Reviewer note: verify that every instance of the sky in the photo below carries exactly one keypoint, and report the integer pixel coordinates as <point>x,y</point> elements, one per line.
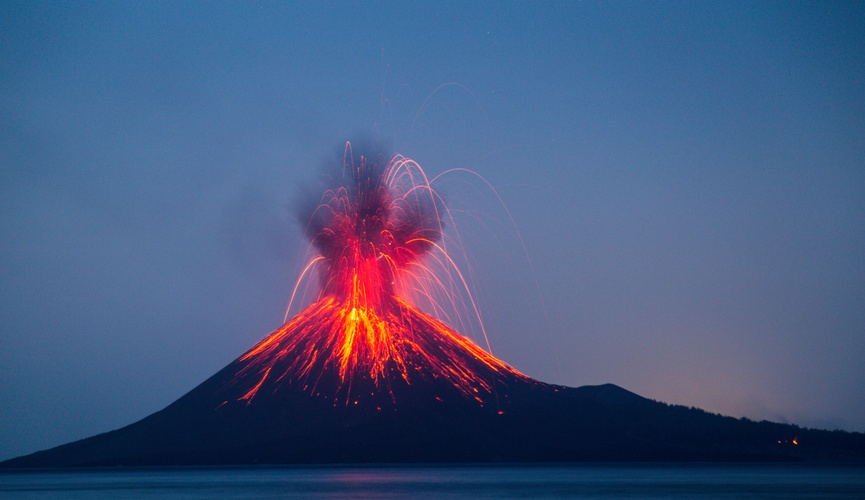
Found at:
<point>683,188</point>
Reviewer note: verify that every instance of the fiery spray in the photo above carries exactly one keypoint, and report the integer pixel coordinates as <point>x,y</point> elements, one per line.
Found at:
<point>379,250</point>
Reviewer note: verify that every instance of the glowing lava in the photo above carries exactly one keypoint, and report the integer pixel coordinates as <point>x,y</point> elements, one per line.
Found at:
<point>378,236</point>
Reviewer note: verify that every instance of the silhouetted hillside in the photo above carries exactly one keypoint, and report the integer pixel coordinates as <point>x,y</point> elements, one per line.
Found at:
<point>535,423</point>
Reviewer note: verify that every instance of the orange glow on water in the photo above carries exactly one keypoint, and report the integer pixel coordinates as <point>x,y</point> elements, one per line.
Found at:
<point>377,243</point>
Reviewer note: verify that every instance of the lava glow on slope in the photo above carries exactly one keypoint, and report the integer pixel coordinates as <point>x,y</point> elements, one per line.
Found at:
<point>379,251</point>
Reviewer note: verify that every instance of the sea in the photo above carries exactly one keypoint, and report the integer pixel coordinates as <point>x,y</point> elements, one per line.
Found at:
<point>560,481</point>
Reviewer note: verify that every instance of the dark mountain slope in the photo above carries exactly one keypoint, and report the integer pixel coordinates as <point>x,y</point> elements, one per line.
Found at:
<point>538,423</point>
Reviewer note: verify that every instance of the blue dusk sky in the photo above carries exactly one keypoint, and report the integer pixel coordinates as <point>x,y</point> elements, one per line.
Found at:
<point>687,178</point>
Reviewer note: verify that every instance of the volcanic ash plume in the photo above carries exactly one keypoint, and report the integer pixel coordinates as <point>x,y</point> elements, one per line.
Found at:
<point>377,239</point>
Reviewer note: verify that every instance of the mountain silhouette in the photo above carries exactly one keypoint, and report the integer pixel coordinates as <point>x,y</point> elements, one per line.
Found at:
<point>303,411</point>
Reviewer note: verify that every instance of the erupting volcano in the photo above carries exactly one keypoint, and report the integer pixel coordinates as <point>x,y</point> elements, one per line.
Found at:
<point>371,371</point>
<point>378,238</point>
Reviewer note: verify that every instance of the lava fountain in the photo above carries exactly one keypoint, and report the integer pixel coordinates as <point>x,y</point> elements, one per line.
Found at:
<point>376,239</point>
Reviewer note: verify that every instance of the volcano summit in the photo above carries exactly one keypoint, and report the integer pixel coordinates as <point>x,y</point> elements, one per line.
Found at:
<point>364,375</point>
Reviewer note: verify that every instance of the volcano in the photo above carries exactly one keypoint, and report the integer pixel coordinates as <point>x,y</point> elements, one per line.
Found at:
<point>364,375</point>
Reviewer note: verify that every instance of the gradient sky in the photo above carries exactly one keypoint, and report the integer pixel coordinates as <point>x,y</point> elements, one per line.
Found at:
<point>688,180</point>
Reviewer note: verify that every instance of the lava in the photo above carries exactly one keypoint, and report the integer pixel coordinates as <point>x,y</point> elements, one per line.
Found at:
<point>377,240</point>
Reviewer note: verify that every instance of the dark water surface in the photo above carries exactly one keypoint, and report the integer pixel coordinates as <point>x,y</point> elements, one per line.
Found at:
<point>580,481</point>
